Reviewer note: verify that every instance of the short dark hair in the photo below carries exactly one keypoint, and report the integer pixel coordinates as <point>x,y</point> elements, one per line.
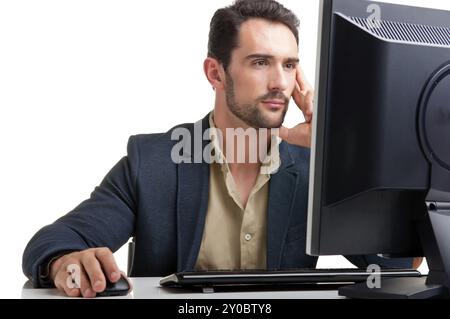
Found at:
<point>225,24</point>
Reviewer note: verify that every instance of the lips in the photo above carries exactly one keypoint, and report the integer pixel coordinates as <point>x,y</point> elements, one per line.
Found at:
<point>274,104</point>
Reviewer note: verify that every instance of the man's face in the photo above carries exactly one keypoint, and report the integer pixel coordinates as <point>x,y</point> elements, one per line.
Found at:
<point>261,76</point>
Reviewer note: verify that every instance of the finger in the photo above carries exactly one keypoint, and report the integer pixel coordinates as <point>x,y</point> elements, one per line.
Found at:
<point>300,77</point>
<point>86,288</point>
<point>308,108</point>
<point>94,272</point>
<point>298,97</point>
<point>61,279</point>
<point>304,102</point>
<point>108,263</point>
<point>298,89</point>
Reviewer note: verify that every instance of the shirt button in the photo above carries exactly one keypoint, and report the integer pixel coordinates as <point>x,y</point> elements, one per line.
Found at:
<point>248,237</point>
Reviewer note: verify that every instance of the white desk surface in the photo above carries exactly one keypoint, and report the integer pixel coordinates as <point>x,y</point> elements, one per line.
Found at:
<point>149,288</point>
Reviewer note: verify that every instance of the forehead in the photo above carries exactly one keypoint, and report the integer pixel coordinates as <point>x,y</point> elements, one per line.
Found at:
<point>263,36</point>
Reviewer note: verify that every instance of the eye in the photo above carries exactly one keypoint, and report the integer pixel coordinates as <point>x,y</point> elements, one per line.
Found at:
<point>261,62</point>
<point>290,65</point>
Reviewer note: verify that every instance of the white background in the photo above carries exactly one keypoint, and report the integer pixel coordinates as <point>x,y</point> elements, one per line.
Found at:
<point>77,78</point>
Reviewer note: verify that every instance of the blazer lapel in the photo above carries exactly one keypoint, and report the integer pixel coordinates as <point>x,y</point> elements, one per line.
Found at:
<point>192,200</point>
<point>282,188</point>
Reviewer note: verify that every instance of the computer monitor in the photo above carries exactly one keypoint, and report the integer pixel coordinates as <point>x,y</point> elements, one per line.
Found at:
<point>380,155</point>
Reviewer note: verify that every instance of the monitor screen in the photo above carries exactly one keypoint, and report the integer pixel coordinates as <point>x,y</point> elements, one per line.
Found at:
<point>380,156</point>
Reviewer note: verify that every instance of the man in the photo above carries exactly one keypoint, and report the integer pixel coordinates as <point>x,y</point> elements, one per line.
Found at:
<point>185,213</point>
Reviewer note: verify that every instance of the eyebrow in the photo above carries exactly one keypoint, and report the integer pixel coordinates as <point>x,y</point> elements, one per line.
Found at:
<point>268,56</point>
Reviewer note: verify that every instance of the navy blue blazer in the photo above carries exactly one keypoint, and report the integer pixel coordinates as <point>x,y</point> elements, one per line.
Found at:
<point>163,206</point>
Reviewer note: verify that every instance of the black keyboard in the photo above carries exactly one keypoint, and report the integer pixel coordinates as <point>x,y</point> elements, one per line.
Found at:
<point>278,277</point>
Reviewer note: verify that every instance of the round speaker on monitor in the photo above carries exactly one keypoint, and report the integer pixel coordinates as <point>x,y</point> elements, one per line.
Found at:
<point>434,118</point>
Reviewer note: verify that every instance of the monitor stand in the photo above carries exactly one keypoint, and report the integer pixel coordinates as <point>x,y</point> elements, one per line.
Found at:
<point>434,231</point>
<point>395,288</point>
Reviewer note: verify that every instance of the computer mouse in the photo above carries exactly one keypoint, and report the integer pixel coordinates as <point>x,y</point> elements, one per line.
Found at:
<point>119,288</point>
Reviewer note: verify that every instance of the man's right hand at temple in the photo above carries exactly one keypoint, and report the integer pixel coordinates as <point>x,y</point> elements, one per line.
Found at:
<point>95,265</point>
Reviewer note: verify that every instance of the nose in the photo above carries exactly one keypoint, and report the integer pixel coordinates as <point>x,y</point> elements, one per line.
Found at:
<point>278,79</point>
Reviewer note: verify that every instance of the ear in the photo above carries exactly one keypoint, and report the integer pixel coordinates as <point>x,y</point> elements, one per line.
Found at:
<point>214,73</point>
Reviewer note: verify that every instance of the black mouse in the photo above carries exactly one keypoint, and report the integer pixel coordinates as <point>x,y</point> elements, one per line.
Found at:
<point>119,288</point>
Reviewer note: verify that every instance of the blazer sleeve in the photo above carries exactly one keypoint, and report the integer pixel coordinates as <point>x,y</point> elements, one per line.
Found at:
<point>106,219</point>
